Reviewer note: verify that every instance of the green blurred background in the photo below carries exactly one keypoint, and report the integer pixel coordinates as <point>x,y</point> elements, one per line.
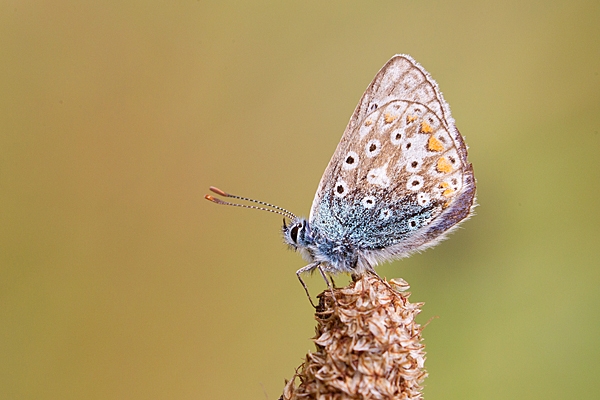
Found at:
<point>118,281</point>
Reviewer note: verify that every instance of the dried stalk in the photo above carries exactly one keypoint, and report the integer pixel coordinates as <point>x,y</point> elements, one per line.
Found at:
<point>368,345</point>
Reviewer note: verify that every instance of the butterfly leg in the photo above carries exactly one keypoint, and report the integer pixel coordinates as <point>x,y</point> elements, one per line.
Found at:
<point>328,283</point>
<point>302,270</point>
<point>332,281</point>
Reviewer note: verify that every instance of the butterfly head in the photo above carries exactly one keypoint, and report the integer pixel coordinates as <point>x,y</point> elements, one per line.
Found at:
<point>297,234</point>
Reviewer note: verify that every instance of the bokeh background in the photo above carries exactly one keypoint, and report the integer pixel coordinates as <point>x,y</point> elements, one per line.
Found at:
<point>119,281</point>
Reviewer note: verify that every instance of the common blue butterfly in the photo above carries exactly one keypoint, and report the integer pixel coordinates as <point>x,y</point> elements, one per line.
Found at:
<point>398,182</point>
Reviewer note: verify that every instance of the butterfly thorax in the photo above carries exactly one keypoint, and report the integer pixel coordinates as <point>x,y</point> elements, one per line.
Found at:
<point>334,253</point>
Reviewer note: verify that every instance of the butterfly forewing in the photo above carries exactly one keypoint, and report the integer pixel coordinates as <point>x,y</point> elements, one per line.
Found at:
<point>399,165</point>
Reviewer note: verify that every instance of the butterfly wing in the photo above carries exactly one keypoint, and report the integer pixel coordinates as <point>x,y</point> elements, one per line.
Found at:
<point>399,178</point>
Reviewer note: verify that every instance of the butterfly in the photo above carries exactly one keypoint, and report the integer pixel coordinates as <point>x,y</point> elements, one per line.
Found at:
<point>398,182</point>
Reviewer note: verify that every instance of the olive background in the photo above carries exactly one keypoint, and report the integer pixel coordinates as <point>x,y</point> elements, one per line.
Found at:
<point>118,280</point>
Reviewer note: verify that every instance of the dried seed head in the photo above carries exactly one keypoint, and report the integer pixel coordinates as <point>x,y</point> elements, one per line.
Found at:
<point>368,345</point>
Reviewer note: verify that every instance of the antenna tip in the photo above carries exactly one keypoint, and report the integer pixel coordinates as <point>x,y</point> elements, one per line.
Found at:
<point>214,200</point>
<point>218,191</point>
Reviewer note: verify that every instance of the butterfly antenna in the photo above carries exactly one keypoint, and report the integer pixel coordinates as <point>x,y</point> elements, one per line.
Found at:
<point>274,209</point>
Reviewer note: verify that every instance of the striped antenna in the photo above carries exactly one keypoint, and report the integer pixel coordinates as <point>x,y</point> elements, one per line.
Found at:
<point>274,209</point>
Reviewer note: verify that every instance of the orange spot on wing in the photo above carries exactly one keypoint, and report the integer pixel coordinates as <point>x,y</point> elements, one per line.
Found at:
<point>444,165</point>
<point>388,118</point>
<point>410,118</point>
<point>434,144</point>
<point>447,192</point>
<point>368,122</point>
<point>426,128</point>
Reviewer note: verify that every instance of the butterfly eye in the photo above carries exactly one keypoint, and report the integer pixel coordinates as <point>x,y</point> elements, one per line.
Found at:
<point>294,233</point>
